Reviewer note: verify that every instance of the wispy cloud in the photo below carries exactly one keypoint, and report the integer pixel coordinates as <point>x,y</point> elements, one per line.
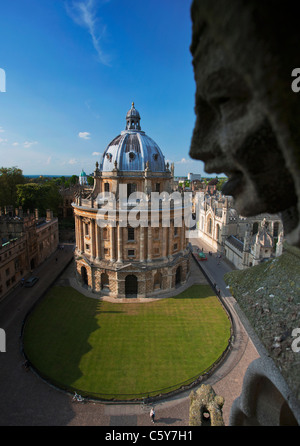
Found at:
<point>72,161</point>
<point>84,14</point>
<point>182,161</point>
<point>96,153</point>
<point>2,130</point>
<point>28,144</point>
<point>84,135</point>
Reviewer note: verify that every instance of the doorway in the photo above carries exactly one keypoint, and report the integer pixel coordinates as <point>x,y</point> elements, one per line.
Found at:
<point>131,286</point>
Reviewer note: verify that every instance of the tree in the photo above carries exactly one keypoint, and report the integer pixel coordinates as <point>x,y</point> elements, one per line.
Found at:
<point>10,177</point>
<point>39,196</point>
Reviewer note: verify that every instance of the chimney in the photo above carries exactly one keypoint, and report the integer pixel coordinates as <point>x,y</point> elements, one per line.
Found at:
<point>49,215</point>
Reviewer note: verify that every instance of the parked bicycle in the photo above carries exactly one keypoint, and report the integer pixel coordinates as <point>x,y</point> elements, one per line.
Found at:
<point>78,398</point>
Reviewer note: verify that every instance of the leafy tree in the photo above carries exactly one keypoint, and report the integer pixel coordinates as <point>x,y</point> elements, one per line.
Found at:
<point>39,196</point>
<point>10,177</point>
<point>90,181</point>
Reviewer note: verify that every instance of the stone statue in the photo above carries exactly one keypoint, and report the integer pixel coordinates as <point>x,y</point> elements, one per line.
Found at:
<point>206,407</point>
<point>247,114</point>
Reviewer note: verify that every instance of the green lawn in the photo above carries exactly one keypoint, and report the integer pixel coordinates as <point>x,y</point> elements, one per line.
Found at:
<point>131,348</point>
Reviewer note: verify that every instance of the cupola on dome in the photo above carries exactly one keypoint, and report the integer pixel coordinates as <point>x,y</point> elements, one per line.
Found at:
<point>133,150</point>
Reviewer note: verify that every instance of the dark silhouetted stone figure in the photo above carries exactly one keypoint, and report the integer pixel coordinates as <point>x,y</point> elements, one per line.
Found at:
<point>248,117</point>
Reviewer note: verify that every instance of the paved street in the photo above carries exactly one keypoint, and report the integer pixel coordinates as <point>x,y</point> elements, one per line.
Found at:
<point>27,400</point>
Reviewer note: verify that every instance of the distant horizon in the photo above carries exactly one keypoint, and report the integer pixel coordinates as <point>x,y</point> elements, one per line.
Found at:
<point>70,175</point>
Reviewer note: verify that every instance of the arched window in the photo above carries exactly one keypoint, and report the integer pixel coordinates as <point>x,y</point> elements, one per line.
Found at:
<point>157,281</point>
<point>255,228</point>
<point>275,229</point>
<point>104,281</point>
<point>218,234</point>
<point>178,275</point>
<point>131,286</point>
<point>84,276</point>
<point>209,226</point>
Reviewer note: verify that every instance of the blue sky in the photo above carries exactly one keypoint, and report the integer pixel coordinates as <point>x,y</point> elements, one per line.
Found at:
<point>72,69</point>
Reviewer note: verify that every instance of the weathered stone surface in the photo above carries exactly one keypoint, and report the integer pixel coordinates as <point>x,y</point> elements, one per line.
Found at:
<point>206,407</point>
<point>269,295</point>
<point>247,113</point>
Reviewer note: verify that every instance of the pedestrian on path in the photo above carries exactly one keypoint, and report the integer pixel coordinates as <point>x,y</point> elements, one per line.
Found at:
<point>152,414</point>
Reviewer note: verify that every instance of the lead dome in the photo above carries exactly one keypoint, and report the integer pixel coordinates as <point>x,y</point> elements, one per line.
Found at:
<point>132,150</point>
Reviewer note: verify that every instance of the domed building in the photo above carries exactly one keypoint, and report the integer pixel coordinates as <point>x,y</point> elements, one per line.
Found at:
<point>83,178</point>
<point>114,256</point>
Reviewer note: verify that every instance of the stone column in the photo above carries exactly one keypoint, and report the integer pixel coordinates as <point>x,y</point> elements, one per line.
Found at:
<point>142,243</point>
<point>120,243</point>
<point>170,239</point>
<point>93,240</point>
<point>98,242</point>
<point>149,254</point>
<point>182,234</point>
<point>165,243</point>
<point>81,235</point>
<point>112,244</point>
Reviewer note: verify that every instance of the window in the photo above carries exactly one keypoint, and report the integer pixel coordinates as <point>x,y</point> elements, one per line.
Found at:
<point>104,281</point>
<point>106,251</point>
<point>175,231</point>
<point>157,187</point>
<point>131,187</point>
<point>106,187</point>
<point>156,251</point>
<point>7,271</point>
<point>131,253</point>
<point>130,234</point>
<point>175,246</point>
<point>276,229</point>
<point>209,226</point>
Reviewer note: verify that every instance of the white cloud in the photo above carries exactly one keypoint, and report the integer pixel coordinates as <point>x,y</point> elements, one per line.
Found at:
<point>2,130</point>
<point>15,143</point>
<point>96,153</point>
<point>72,161</point>
<point>83,13</point>
<point>84,135</point>
<point>182,161</point>
<point>49,160</point>
<point>28,144</point>
<point>2,140</point>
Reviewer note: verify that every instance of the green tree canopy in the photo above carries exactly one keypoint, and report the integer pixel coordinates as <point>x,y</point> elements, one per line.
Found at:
<point>10,177</point>
<point>39,196</point>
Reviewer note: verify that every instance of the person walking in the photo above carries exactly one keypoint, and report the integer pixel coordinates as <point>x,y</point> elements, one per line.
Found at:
<point>152,414</point>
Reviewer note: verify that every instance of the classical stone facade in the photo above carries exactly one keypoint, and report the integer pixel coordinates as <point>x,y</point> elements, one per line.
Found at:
<point>26,240</point>
<point>244,241</point>
<point>114,257</point>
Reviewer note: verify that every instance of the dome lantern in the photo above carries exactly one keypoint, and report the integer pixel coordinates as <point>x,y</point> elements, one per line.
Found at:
<point>133,119</point>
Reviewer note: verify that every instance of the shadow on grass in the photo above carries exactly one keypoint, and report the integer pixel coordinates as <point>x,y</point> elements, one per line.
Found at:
<point>53,342</point>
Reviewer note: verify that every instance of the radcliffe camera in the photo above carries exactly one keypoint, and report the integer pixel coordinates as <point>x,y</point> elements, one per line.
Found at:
<point>149,216</point>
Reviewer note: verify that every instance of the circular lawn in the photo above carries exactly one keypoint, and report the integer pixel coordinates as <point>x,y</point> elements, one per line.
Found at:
<point>125,350</point>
